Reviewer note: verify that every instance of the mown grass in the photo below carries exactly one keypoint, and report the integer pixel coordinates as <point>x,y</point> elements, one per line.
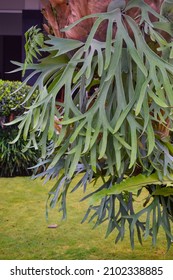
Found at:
<point>24,232</point>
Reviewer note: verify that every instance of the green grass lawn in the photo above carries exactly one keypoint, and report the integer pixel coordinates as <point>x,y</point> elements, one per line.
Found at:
<point>24,232</point>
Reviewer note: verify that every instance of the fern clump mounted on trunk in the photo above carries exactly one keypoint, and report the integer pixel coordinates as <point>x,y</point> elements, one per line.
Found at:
<point>104,109</point>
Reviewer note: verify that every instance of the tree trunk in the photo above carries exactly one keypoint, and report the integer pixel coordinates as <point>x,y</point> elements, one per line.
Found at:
<point>61,13</point>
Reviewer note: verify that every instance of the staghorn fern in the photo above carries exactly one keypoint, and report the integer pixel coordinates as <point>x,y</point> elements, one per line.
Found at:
<point>34,41</point>
<point>116,117</point>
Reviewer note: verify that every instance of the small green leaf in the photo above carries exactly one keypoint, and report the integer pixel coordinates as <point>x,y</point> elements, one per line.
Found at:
<point>51,118</point>
<point>103,143</point>
<point>151,138</point>
<point>27,124</point>
<point>76,158</point>
<point>143,92</point>
<point>157,100</point>
<point>164,191</point>
<point>77,131</point>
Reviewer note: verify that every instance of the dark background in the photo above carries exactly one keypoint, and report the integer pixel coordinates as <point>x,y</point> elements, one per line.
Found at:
<point>15,20</point>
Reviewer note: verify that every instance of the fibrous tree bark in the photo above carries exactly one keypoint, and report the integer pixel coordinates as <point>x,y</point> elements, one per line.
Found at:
<point>61,13</point>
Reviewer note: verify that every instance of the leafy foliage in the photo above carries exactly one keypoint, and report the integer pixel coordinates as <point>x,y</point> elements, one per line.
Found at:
<point>13,160</point>
<point>11,98</point>
<point>34,40</point>
<point>115,117</point>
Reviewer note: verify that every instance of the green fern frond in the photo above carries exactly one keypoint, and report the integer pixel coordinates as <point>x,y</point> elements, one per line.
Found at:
<point>34,41</point>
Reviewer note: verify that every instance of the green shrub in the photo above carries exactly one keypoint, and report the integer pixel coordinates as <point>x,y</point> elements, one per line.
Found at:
<point>9,99</point>
<point>13,161</point>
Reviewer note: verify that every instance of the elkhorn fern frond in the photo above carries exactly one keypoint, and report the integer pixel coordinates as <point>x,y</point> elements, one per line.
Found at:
<point>34,41</point>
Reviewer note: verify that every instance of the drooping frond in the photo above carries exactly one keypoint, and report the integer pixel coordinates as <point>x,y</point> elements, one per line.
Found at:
<point>111,94</point>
